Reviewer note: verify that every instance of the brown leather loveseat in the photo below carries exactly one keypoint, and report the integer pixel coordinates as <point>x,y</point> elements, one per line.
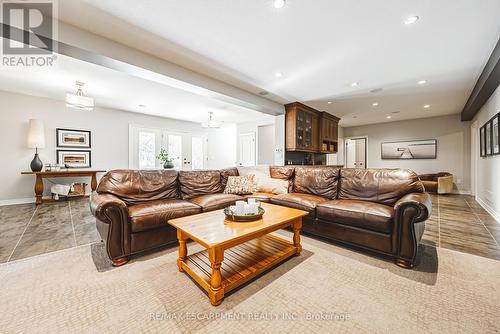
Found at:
<point>383,211</point>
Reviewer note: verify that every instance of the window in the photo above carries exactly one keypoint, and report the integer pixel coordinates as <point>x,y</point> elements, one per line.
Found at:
<point>174,143</point>
<point>197,156</point>
<point>147,149</point>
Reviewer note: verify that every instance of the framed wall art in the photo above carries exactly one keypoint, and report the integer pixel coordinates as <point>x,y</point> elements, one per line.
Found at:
<point>495,144</point>
<point>73,138</point>
<point>488,134</point>
<point>415,149</point>
<point>74,158</point>
<point>482,141</point>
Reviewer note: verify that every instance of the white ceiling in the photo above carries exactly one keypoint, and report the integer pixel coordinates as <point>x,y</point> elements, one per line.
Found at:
<point>321,46</point>
<point>113,89</point>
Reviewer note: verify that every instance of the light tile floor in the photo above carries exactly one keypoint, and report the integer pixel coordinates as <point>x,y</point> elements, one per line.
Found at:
<point>458,222</point>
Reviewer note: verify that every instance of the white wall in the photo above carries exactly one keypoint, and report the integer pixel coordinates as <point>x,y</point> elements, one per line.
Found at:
<point>453,145</point>
<point>110,131</point>
<point>488,168</point>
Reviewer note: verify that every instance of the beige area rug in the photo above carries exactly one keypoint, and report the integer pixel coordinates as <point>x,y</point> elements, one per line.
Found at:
<point>327,289</point>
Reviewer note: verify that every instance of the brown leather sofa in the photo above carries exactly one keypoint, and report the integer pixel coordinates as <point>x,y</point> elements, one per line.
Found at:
<point>383,211</point>
<point>440,183</point>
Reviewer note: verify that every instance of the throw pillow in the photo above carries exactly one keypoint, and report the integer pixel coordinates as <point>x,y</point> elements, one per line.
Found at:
<point>239,185</point>
<point>259,172</point>
<point>274,186</point>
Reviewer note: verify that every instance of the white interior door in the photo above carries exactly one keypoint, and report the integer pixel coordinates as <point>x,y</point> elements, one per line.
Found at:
<point>199,155</point>
<point>355,153</point>
<point>247,149</point>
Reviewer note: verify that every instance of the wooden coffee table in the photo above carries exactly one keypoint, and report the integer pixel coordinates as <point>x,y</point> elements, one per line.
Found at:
<point>235,252</point>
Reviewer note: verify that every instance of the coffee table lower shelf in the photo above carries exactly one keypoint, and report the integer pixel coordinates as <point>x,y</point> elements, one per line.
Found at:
<point>240,263</point>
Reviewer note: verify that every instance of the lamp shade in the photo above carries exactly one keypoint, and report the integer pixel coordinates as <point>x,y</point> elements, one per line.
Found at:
<point>36,134</point>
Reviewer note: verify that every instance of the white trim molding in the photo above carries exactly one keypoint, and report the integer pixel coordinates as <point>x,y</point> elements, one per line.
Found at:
<point>17,201</point>
<point>489,209</point>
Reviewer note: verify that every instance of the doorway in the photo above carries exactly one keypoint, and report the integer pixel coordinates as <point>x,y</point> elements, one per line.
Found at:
<point>356,152</point>
<point>247,149</point>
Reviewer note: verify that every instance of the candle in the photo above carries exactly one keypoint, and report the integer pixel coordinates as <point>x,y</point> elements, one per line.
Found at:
<point>240,208</point>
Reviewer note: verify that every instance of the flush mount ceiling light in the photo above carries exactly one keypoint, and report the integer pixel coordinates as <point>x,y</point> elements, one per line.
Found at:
<point>278,74</point>
<point>355,84</point>
<point>78,100</point>
<point>411,20</point>
<point>279,4</point>
<point>375,104</point>
<point>427,106</point>
<point>212,124</point>
<point>422,82</point>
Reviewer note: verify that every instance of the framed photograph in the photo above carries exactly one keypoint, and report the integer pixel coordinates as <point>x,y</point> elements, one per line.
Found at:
<point>494,129</point>
<point>415,149</point>
<point>482,141</point>
<point>73,138</point>
<point>487,130</point>
<point>74,158</point>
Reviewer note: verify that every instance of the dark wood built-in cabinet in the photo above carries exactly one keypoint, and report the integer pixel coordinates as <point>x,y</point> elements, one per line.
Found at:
<point>309,130</point>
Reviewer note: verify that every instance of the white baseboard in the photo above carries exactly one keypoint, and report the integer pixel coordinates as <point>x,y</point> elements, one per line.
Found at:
<point>462,192</point>
<point>489,209</point>
<point>17,201</point>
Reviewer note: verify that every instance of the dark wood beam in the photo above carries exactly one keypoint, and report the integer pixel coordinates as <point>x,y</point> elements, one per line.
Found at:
<point>485,86</point>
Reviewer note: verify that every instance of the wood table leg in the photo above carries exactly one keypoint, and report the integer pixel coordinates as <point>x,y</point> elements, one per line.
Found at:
<point>297,225</point>
<point>182,249</point>
<point>93,182</point>
<point>38,189</point>
<point>216,293</point>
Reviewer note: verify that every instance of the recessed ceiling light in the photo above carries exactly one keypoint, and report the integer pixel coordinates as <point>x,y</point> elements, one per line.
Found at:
<point>278,74</point>
<point>422,82</point>
<point>376,90</point>
<point>354,116</point>
<point>375,104</point>
<point>263,93</point>
<point>329,102</point>
<point>388,117</point>
<point>395,112</point>
<point>355,84</point>
<point>279,3</point>
<point>141,106</point>
<point>427,106</point>
<point>411,20</point>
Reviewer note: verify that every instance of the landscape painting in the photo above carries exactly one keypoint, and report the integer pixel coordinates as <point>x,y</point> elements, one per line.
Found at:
<point>74,159</point>
<point>73,138</point>
<point>415,149</point>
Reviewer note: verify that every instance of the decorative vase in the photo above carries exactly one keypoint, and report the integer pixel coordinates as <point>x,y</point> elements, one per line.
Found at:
<point>36,164</point>
<point>168,165</point>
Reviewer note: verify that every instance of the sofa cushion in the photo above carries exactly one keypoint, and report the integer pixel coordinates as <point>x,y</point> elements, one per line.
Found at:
<point>215,201</point>
<point>270,185</point>
<point>239,185</point>
<point>384,186</point>
<point>319,181</point>
<point>155,214</point>
<point>306,202</point>
<point>198,183</point>
<point>260,196</point>
<point>137,186</point>
<point>225,173</point>
<point>359,213</point>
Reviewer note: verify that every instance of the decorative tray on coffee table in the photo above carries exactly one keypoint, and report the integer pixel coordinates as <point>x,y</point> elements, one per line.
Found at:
<point>243,218</point>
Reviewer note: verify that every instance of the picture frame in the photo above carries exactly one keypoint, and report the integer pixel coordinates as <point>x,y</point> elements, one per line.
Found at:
<point>74,158</point>
<point>488,136</point>
<point>495,140</point>
<point>73,138</point>
<point>482,141</point>
<point>408,150</point>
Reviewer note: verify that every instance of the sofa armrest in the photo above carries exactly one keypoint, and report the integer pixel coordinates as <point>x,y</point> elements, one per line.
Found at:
<point>419,201</point>
<point>99,203</point>
<point>411,211</point>
<point>445,184</point>
<point>112,224</point>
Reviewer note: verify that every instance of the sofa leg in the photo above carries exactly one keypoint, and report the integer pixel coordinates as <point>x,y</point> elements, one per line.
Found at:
<point>120,261</point>
<point>404,263</point>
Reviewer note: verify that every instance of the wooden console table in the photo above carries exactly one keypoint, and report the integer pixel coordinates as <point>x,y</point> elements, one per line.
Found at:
<point>62,173</point>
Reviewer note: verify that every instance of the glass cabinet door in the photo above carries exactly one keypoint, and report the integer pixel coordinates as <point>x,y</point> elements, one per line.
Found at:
<point>307,130</point>
<point>300,128</point>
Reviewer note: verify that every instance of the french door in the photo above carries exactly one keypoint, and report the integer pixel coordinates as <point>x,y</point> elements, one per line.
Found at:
<point>187,151</point>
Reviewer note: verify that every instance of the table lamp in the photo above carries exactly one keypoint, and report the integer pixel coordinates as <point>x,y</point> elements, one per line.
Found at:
<point>36,140</point>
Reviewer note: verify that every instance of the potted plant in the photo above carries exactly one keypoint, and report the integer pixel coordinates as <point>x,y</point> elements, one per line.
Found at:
<point>165,159</point>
